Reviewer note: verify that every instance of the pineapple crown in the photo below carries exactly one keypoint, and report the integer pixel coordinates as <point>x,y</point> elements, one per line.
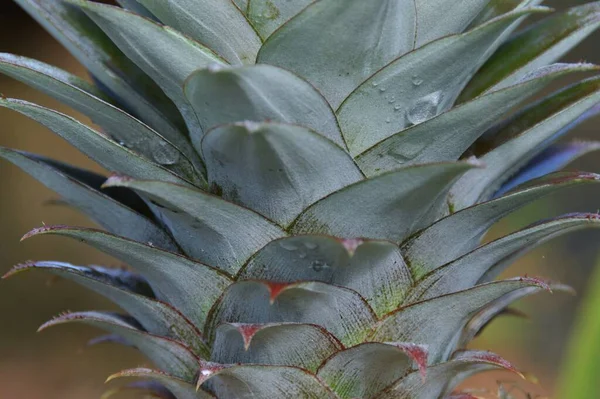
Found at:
<point>301,187</point>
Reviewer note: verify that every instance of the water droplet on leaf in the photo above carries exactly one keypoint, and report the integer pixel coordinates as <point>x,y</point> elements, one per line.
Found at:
<point>318,265</point>
<point>287,245</point>
<point>424,108</point>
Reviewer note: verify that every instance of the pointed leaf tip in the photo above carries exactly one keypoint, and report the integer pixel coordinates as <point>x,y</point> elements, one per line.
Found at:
<point>416,352</point>
<point>247,331</point>
<point>351,244</point>
<point>275,289</point>
<point>488,357</point>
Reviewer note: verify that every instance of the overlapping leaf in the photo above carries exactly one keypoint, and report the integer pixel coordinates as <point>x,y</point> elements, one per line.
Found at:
<point>188,285</point>
<point>522,138</point>
<point>208,228</point>
<point>217,24</point>
<point>166,55</point>
<point>391,206</point>
<point>85,98</point>
<point>156,317</point>
<point>74,30</point>
<point>461,232</point>
<point>419,85</point>
<point>294,165</point>
<point>259,93</point>
<point>104,210</point>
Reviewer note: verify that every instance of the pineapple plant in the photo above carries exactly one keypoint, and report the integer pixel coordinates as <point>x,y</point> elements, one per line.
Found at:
<point>301,188</point>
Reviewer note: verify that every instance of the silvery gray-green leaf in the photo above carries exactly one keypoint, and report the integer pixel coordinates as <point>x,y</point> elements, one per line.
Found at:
<point>391,206</point>
<point>181,389</point>
<point>337,44</point>
<point>419,85</point>
<point>537,46</point>
<point>136,7</point>
<point>461,232</point>
<point>101,208</point>
<point>493,258</point>
<point>447,136</point>
<point>365,370</point>
<point>439,18</point>
<point>340,311</point>
<point>169,355</point>
<point>74,30</point>
<point>374,269</point>
<point>527,135</point>
<point>155,317</point>
<point>483,317</point>
<point>207,228</point>
<point>279,344</point>
<point>190,286</point>
<point>166,55</point>
<point>217,24</point>
<point>86,99</point>
<point>435,322</point>
<point>444,377</point>
<point>274,169</point>
<point>260,381</point>
<point>268,15</point>
<point>495,8</point>
<point>259,93</point>
<point>92,143</point>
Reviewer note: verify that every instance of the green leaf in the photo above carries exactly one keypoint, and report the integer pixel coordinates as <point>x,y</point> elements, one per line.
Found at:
<point>217,24</point>
<point>92,143</point>
<point>86,99</point>
<point>190,286</point>
<point>523,137</point>
<point>374,269</point>
<point>391,206</point>
<point>340,311</point>
<point>259,93</point>
<point>278,344</point>
<point>539,45</point>
<point>260,381</point>
<point>488,261</point>
<point>276,170</point>
<point>461,232</point>
<point>365,370</point>
<point>447,136</point>
<point>337,44</point>
<point>268,15</point>
<point>166,55</point>
<point>579,377</point>
<point>180,388</point>
<point>101,208</point>
<point>419,85</point>
<point>206,227</point>
<point>74,30</point>
<point>436,322</point>
<point>169,355</point>
<point>444,377</point>
<point>155,317</point>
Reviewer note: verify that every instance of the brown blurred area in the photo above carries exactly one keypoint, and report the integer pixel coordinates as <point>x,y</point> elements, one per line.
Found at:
<point>57,364</point>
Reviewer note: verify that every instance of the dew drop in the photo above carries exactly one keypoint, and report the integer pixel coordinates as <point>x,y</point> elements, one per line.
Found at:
<point>417,81</point>
<point>397,108</point>
<point>302,255</point>
<point>375,84</point>
<point>388,120</point>
<point>382,89</point>
<point>310,245</point>
<point>318,265</point>
<point>287,245</point>
<point>165,154</point>
<point>424,108</point>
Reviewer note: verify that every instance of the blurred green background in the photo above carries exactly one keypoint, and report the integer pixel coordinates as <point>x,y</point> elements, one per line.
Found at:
<point>58,364</point>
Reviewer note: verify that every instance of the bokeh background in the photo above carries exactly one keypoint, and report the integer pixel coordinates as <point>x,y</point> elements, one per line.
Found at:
<point>59,365</point>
